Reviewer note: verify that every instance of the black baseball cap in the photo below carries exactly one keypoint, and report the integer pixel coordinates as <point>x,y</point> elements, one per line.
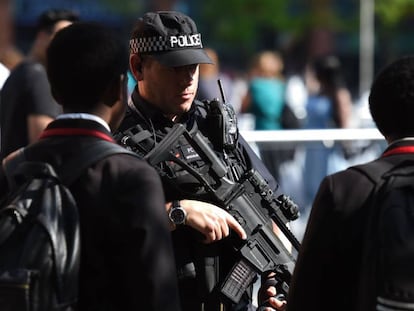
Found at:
<point>170,37</point>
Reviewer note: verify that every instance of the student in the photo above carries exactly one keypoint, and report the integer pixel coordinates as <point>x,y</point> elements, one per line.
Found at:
<point>126,250</point>
<point>329,265</point>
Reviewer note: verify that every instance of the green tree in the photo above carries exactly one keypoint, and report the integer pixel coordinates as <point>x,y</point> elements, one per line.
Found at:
<point>128,8</point>
<point>248,24</point>
<point>390,13</point>
<point>393,33</point>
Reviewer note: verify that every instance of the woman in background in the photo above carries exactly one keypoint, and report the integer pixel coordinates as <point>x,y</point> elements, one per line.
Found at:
<point>265,99</point>
<point>328,106</point>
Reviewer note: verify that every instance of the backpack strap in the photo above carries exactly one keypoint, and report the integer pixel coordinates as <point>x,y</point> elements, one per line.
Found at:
<point>378,172</point>
<point>71,170</point>
<point>96,151</point>
<point>366,293</point>
<point>374,170</point>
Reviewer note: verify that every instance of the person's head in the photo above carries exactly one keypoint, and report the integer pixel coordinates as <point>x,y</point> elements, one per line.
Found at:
<point>165,53</point>
<point>48,24</point>
<point>267,64</point>
<point>391,99</point>
<point>87,65</point>
<point>51,20</point>
<point>324,74</point>
<point>210,70</point>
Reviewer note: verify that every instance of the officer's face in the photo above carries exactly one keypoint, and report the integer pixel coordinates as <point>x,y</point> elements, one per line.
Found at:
<point>172,89</point>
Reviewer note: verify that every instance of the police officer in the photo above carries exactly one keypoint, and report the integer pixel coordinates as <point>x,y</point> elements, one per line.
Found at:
<point>165,53</point>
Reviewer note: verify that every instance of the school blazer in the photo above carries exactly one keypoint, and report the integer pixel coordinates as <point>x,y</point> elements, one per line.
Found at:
<point>328,266</point>
<point>127,260</point>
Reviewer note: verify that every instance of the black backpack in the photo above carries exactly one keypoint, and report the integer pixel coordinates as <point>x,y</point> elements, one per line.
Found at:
<point>387,271</point>
<point>39,233</point>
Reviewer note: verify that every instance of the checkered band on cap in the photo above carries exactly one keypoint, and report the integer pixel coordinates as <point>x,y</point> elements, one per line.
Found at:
<point>163,44</point>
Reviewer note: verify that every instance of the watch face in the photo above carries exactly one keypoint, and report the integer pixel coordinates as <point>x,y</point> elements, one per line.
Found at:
<point>177,216</point>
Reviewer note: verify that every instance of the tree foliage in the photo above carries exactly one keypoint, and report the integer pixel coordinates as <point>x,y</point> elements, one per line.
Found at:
<point>124,7</point>
<point>239,21</point>
<point>391,13</point>
<point>244,22</point>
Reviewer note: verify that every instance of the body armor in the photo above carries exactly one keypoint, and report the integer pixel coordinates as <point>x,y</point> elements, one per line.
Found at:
<point>199,158</point>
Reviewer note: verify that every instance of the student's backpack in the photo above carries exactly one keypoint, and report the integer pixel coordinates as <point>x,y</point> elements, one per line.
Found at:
<point>387,272</point>
<point>39,233</point>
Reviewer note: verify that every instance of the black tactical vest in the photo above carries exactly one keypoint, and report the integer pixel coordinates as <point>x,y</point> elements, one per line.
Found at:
<point>189,171</point>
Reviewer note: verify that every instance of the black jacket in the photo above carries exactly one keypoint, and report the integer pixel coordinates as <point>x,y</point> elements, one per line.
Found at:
<point>328,266</point>
<point>126,250</point>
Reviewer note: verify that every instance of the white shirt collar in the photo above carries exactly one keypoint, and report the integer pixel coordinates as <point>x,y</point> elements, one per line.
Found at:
<point>86,116</point>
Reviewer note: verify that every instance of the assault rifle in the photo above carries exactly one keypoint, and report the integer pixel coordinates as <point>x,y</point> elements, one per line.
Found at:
<point>250,200</point>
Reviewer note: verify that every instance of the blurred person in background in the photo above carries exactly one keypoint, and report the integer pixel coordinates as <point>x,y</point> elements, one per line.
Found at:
<point>27,105</point>
<point>11,57</point>
<point>328,106</point>
<point>209,74</point>
<point>4,74</point>
<point>265,99</point>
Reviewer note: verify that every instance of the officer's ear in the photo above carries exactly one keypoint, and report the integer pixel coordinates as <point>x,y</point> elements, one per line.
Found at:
<point>135,63</point>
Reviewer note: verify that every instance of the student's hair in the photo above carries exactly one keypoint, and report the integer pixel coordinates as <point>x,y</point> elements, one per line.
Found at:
<point>48,19</point>
<point>83,60</point>
<point>391,100</point>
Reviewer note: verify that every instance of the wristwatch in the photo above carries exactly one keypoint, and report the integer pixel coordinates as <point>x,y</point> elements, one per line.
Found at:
<point>177,214</point>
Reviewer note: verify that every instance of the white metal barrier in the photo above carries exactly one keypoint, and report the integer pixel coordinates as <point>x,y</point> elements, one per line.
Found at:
<point>368,143</point>
<point>312,135</point>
